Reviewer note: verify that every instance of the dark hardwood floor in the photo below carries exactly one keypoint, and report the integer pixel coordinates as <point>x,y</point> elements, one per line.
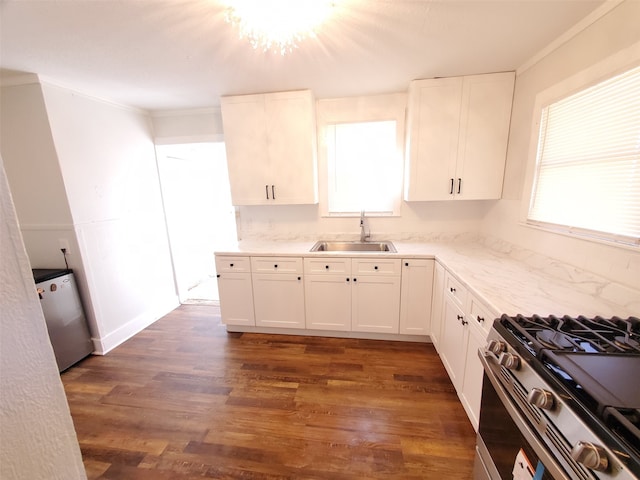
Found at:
<point>184,400</point>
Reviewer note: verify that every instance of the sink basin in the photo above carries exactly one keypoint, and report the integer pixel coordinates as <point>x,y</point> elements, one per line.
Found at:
<point>330,246</point>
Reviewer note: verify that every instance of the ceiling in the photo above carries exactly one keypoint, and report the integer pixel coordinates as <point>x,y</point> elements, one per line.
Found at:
<point>182,54</point>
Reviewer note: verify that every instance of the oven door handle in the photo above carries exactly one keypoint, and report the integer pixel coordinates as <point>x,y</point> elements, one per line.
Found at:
<point>550,463</point>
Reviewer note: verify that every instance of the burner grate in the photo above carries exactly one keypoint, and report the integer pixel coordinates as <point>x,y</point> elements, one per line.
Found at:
<point>579,334</point>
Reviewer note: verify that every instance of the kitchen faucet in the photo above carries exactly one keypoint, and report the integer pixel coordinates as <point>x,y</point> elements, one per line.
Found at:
<point>364,235</point>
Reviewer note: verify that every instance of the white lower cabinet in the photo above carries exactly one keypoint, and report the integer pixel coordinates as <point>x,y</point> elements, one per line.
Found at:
<point>459,354</point>
<point>327,288</point>
<point>453,342</point>
<point>437,305</point>
<point>376,304</point>
<point>473,374</point>
<point>416,296</point>
<point>465,324</point>
<point>278,297</point>
<point>236,292</point>
<point>345,294</point>
<point>463,333</point>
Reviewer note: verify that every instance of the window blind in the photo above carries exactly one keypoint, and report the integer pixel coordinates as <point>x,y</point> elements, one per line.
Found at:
<point>588,162</point>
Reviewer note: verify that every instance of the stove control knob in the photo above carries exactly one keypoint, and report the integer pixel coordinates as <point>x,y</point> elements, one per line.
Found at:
<point>509,360</point>
<point>496,347</point>
<point>590,455</point>
<point>541,398</point>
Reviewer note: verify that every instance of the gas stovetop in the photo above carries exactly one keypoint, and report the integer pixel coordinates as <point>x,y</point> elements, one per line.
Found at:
<point>595,363</point>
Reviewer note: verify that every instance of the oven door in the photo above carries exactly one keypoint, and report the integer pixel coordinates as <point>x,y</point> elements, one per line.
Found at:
<point>503,431</point>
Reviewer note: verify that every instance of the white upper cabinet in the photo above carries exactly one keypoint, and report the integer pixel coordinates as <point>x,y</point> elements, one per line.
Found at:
<point>458,130</point>
<point>270,140</point>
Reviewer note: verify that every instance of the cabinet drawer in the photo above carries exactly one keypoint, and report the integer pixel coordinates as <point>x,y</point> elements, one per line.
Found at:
<point>480,315</point>
<point>276,265</point>
<point>455,290</point>
<point>374,266</point>
<point>327,265</point>
<point>233,264</point>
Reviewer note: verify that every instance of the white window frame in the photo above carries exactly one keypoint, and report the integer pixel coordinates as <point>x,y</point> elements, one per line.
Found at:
<point>614,65</point>
<point>359,110</point>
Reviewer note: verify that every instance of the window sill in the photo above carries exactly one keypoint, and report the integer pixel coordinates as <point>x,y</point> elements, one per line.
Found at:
<point>579,235</point>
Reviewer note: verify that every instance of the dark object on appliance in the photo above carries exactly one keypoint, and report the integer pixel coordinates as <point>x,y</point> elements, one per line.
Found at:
<point>64,316</point>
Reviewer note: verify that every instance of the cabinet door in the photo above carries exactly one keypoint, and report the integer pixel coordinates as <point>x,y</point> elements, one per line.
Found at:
<point>437,308</point>
<point>376,304</point>
<point>473,374</point>
<point>484,132</point>
<point>245,136</point>
<point>291,144</point>
<point>415,296</point>
<point>434,120</point>
<point>278,300</point>
<point>453,343</point>
<point>328,302</point>
<point>236,298</point>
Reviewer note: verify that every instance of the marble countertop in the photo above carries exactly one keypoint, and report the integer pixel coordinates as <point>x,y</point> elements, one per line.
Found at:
<point>503,281</point>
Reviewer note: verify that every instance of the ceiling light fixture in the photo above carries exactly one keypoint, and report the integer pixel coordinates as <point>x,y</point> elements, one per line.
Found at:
<point>277,25</point>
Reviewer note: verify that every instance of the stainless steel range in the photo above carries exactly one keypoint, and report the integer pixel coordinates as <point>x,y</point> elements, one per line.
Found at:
<point>561,399</point>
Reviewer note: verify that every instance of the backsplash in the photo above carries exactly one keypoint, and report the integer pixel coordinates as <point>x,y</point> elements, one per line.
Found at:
<point>419,222</point>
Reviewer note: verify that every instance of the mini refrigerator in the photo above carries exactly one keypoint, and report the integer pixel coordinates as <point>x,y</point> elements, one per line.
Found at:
<point>64,315</point>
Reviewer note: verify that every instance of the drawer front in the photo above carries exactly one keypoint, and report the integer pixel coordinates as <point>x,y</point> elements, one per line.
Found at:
<point>374,266</point>
<point>327,265</point>
<point>276,265</point>
<point>226,264</point>
<point>480,315</point>
<point>455,291</point>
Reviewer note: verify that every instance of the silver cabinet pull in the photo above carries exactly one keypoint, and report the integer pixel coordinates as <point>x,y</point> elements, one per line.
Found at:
<point>459,184</point>
<point>273,192</point>
<point>266,189</point>
<point>451,189</point>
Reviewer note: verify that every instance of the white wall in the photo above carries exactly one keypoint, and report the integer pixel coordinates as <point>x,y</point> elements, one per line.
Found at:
<point>32,167</point>
<point>83,171</point>
<point>37,438</point>
<point>187,126</point>
<point>107,159</point>
<point>613,33</point>
<point>36,180</point>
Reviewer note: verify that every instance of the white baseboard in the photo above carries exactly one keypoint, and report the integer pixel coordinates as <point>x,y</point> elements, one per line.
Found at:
<point>102,346</point>
<point>329,333</point>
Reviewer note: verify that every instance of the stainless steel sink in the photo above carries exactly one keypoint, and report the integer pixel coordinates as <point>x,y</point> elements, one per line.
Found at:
<point>330,246</point>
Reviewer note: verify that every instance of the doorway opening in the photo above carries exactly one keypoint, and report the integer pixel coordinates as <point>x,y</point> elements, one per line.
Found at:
<point>200,217</point>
